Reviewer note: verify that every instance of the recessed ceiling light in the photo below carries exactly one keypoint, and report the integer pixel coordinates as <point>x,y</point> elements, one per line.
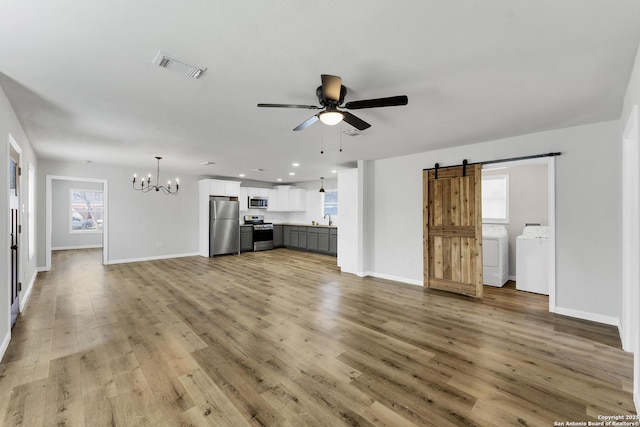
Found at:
<point>207,163</point>
<point>334,171</point>
<point>292,173</point>
<point>295,165</point>
<point>86,161</point>
<point>279,179</point>
<point>241,175</point>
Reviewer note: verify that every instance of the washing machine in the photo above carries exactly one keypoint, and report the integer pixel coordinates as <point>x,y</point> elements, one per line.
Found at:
<point>532,260</point>
<point>495,254</point>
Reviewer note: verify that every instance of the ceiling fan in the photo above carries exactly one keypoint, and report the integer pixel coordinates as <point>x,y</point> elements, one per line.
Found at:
<point>331,96</point>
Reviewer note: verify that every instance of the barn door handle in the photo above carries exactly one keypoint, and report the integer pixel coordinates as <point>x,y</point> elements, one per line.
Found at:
<point>14,247</point>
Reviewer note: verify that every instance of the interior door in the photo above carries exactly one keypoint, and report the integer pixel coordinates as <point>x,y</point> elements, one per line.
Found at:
<point>14,203</point>
<point>452,217</point>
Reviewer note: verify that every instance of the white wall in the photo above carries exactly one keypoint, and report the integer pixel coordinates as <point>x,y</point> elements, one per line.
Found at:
<point>632,293</point>
<point>587,192</point>
<point>9,125</point>
<point>61,237</point>
<point>137,222</point>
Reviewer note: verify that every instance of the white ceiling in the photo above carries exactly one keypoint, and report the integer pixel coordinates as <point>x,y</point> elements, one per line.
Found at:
<point>79,75</point>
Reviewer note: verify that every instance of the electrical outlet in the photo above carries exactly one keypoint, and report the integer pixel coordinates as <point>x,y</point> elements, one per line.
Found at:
<point>160,245</point>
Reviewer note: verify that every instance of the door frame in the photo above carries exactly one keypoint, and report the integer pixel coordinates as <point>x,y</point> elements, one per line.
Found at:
<point>105,216</point>
<point>12,143</point>
<point>551,206</point>
<point>628,326</point>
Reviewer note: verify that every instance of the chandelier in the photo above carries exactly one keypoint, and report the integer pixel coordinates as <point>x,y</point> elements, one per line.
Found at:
<point>145,188</point>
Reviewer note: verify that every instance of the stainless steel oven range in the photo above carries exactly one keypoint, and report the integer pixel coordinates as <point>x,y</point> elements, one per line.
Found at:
<point>262,232</point>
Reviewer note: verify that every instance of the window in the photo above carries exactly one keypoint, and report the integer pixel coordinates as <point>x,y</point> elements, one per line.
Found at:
<point>330,203</point>
<point>86,207</point>
<point>495,198</point>
<point>32,211</point>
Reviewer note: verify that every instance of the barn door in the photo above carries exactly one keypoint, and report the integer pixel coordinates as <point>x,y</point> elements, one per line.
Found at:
<point>452,216</point>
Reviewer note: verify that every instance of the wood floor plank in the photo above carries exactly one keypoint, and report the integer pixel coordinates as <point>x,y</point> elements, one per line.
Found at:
<point>283,338</point>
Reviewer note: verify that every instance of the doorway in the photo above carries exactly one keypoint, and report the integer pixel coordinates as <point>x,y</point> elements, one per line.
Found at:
<point>73,216</point>
<point>530,202</point>
<point>14,227</point>
<point>441,205</point>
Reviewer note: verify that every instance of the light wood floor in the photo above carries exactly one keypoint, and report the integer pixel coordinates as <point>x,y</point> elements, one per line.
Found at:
<point>282,338</point>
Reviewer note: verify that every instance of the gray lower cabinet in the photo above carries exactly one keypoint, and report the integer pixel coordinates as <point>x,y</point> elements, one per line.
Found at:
<point>333,241</point>
<point>322,240</point>
<point>302,238</point>
<point>246,238</point>
<point>278,236</point>
<point>318,239</point>
<point>286,236</point>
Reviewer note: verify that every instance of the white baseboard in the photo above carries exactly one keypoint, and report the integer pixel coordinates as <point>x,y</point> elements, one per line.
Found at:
<point>511,278</point>
<point>392,278</point>
<point>636,401</point>
<point>594,317</point>
<point>151,258</point>
<point>67,248</point>
<point>27,293</point>
<point>5,344</point>
<point>42,269</point>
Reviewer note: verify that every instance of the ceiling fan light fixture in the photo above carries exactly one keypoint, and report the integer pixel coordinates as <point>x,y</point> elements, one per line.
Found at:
<point>331,117</point>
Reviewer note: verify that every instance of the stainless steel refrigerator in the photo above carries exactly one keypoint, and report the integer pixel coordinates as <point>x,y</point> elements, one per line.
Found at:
<point>224,227</point>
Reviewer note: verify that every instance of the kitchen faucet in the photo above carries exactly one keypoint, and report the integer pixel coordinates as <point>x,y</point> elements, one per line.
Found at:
<point>325,217</point>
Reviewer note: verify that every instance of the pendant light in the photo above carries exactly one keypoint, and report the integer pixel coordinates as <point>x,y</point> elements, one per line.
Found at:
<point>321,184</point>
<point>157,187</point>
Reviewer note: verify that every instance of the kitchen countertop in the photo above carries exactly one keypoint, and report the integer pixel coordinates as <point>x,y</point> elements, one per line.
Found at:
<point>297,224</point>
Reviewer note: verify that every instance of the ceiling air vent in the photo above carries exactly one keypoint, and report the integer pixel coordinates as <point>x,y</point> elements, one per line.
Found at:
<point>173,64</point>
<point>352,132</point>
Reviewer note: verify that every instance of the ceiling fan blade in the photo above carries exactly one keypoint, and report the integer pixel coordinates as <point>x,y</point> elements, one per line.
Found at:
<point>331,86</point>
<point>308,107</point>
<point>378,102</point>
<point>311,120</point>
<point>355,121</point>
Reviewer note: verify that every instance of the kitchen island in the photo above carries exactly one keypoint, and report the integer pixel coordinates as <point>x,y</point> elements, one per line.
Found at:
<point>322,239</point>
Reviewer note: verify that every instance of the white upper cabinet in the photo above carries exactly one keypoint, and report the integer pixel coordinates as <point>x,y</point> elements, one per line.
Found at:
<point>297,199</point>
<point>244,199</point>
<point>283,197</point>
<point>219,187</point>
<point>261,192</point>
<point>274,201</point>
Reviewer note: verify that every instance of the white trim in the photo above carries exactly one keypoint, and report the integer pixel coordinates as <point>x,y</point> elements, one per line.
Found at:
<point>630,231</point>
<point>48,220</point>
<point>66,248</point>
<point>395,278</point>
<point>5,344</point>
<point>151,258</point>
<point>593,317</point>
<point>42,269</point>
<point>511,278</point>
<point>27,293</point>
<point>12,143</point>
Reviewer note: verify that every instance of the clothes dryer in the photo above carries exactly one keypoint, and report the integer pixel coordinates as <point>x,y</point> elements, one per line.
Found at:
<point>495,254</point>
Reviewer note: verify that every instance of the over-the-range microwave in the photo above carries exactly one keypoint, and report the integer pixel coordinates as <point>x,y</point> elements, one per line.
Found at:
<point>258,202</point>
